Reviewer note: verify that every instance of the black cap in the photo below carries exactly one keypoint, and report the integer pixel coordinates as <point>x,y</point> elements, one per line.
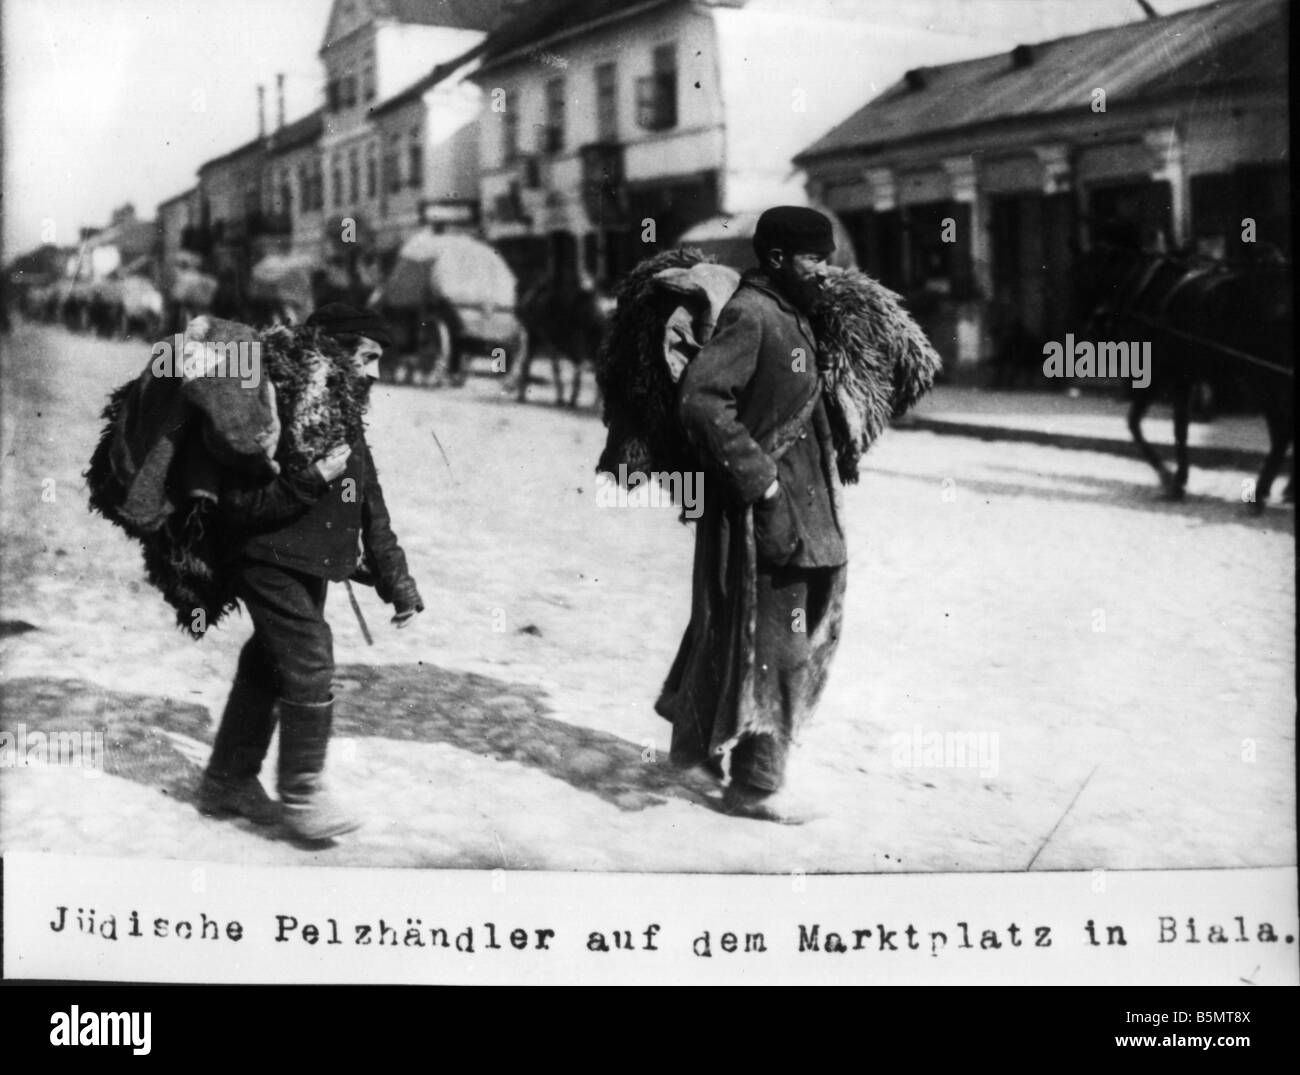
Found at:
<point>794,229</point>
<point>338,319</point>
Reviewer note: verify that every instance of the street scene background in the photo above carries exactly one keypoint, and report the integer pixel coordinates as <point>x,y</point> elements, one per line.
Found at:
<point>1131,659</point>
<point>1045,664</point>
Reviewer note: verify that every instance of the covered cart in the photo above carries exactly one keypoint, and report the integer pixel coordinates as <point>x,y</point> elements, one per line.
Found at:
<point>448,297</point>
<point>280,289</point>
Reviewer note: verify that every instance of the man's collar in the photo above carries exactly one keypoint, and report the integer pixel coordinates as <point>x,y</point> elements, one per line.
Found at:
<point>758,279</point>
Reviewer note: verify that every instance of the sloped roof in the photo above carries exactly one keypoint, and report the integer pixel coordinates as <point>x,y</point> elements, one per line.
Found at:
<point>427,82</point>
<point>1233,42</point>
<point>300,132</point>
<point>255,146</point>
<point>454,14</point>
<point>543,19</point>
<point>182,196</point>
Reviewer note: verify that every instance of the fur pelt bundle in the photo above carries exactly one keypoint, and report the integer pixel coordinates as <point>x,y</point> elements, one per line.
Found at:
<point>320,395</point>
<point>640,398</point>
<point>874,360</point>
<point>189,556</point>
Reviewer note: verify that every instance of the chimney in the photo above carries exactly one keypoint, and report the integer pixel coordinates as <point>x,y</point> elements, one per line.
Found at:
<point>279,101</point>
<point>261,111</point>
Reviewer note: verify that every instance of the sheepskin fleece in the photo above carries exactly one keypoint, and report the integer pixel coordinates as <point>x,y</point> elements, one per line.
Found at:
<point>640,398</point>
<point>874,359</point>
<point>189,556</point>
<point>875,362</point>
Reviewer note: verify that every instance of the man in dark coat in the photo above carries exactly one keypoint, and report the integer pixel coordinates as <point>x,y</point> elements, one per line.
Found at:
<point>770,553</point>
<point>297,533</point>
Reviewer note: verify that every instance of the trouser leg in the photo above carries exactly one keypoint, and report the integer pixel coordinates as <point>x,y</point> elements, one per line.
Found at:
<point>247,722</point>
<point>782,655</point>
<point>288,613</point>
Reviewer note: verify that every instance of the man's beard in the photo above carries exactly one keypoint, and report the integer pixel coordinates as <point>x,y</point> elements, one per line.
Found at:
<point>804,294</point>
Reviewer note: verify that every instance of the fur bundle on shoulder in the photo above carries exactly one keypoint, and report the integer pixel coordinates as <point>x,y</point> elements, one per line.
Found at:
<point>189,555</point>
<point>874,360</point>
<point>640,396</point>
<point>320,395</point>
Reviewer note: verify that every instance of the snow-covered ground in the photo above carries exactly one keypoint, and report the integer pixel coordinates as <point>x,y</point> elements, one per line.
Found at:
<point>1121,669</point>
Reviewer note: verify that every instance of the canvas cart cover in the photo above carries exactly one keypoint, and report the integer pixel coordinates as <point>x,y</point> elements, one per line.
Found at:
<point>139,296</point>
<point>284,279</point>
<point>462,269</point>
<point>194,288</point>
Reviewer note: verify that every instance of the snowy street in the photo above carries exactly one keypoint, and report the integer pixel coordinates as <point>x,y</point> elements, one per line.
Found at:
<point>1118,671</point>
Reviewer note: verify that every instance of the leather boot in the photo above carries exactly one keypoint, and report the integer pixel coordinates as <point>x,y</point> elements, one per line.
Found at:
<point>309,811</point>
<point>779,806</point>
<point>230,785</point>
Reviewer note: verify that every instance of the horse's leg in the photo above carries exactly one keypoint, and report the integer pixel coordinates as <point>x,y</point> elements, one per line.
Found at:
<point>1182,411</point>
<point>1279,439</point>
<point>557,371</point>
<point>1136,410</point>
<point>577,381</point>
<point>525,361</point>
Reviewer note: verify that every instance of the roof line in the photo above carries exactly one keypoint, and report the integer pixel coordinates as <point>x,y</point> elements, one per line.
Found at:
<point>868,148</point>
<point>517,51</point>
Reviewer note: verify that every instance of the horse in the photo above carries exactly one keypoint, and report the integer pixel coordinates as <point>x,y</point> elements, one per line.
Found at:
<point>566,321</point>
<point>1204,319</point>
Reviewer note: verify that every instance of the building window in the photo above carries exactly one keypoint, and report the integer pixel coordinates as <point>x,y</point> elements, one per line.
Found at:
<point>354,175</point>
<point>304,188</point>
<point>510,127</point>
<point>368,82</point>
<point>656,94</point>
<point>252,200</point>
<point>933,266</point>
<point>553,135</point>
<point>336,179</point>
<point>607,102</point>
<point>348,91</point>
<point>372,171</point>
<point>415,160</point>
<point>392,164</point>
<point>332,96</point>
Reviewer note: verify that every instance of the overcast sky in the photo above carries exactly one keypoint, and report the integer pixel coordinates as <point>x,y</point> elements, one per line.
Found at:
<point>110,101</point>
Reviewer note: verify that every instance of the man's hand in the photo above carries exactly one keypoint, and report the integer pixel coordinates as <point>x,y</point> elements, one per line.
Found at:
<point>772,490</point>
<point>406,601</point>
<point>332,465</point>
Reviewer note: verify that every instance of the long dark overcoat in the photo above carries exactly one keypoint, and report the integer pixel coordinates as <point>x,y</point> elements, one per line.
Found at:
<point>750,403</point>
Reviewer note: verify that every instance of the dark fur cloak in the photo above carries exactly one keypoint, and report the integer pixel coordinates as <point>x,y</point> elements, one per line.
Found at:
<point>190,556</point>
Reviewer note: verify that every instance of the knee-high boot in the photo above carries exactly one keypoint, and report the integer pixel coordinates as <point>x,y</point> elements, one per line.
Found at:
<point>309,811</point>
<point>230,784</point>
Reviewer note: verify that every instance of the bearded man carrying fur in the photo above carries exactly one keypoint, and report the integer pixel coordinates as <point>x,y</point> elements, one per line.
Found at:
<point>290,538</point>
<point>770,552</point>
